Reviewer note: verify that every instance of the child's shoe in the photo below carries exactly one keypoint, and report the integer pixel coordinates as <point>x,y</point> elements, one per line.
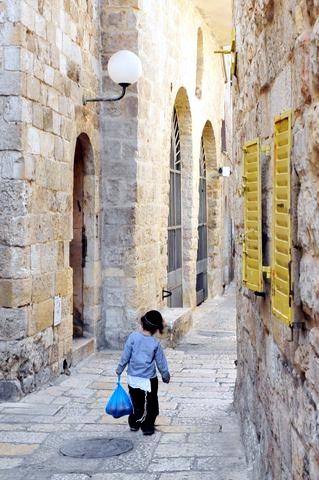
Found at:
<point>148,432</point>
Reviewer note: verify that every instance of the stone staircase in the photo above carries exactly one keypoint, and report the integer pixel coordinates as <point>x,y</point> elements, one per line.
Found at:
<point>82,348</point>
<point>178,321</point>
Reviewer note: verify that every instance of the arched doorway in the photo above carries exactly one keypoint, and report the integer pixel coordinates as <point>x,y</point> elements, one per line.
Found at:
<point>180,248</point>
<point>85,252</point>
<point>78,245</point>
<point>213,195</point>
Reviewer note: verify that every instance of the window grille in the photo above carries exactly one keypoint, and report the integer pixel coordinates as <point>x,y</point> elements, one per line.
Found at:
<point>175,211</point>
<point>174,274</point>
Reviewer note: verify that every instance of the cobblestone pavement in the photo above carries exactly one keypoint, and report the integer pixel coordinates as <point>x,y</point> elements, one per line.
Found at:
<point>197,430</point>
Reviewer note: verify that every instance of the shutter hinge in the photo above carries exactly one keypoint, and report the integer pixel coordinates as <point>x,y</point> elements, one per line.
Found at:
<point>267,270</point>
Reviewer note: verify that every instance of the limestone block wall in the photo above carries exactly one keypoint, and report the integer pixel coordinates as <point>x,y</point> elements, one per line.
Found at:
<point>136,153</point>
<point>48,57</point>
<point>277,390</point>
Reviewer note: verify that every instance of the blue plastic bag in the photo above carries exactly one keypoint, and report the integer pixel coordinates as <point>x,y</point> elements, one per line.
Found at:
<point>119,403</point>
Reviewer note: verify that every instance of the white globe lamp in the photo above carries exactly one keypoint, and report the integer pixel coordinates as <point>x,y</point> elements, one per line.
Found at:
<point>124,67</point>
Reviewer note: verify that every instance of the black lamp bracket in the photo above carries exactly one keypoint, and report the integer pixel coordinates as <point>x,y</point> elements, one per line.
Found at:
<point>105,99</point>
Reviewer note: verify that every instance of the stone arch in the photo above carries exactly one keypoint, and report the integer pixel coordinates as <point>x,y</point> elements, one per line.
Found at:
<point>213,210</point>
<point>86,204</point>
<point>189,247</point>
<point>199,64</point>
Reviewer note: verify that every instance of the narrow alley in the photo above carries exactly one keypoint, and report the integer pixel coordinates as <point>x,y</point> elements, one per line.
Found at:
<point>197,430</point>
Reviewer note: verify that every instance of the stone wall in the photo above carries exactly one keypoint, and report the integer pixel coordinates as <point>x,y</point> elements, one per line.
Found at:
<point>46,54</point>
<point>277,390</point>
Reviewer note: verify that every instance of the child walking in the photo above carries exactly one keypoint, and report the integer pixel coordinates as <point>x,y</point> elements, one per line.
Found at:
<point>143,353</point>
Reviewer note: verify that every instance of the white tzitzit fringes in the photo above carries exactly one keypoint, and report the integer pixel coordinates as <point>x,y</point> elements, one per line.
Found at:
<point>142,419</point>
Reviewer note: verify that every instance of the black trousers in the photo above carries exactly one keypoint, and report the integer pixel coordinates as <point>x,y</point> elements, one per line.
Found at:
<point>145,406</point>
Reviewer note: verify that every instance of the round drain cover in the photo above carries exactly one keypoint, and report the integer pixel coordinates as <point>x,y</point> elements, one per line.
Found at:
<point>96,447</point>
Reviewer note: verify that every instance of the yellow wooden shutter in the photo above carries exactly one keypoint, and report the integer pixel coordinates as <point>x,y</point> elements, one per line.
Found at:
<point>252,244</point>
<point>281,243</point>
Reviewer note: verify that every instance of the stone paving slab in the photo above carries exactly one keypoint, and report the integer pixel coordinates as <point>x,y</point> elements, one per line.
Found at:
<point>27,409</point>
<point>197,430</point>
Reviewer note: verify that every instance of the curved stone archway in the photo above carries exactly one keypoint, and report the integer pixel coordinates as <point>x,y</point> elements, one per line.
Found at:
<point>213,211</point>
<point>189,244</point>
<point>85,246</point>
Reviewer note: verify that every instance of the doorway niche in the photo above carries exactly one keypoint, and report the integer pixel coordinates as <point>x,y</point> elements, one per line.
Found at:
<point>84,252</point>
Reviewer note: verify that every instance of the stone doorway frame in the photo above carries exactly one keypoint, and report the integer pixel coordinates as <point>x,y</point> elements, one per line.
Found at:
<point>184,116</point>
<point>213,211</point>
<point>78,244</point>
<point>91,287</point>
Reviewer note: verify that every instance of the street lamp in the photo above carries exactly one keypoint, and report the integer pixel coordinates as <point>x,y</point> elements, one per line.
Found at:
<point>124,68</point>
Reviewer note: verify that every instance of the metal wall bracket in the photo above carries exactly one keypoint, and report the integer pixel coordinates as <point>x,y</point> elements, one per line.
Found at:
<point>232,52</point>
<point>166,293</point>
<point>260,294</point>
<point>301,326</point>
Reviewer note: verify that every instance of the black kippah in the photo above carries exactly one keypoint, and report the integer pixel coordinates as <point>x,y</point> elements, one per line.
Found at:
<point>150,324</point>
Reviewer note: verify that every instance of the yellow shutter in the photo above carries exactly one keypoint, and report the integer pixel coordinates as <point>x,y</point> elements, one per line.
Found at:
<point>281,242</point>
<point>252,244</point>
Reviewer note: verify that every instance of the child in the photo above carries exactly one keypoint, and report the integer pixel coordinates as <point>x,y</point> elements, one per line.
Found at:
<point>143,353</point>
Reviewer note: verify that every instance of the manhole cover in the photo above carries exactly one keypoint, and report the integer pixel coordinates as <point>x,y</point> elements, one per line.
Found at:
<point>96,447</point>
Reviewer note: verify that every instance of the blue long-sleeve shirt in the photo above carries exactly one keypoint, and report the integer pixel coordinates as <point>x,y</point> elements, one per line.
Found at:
<point>143,353</point>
